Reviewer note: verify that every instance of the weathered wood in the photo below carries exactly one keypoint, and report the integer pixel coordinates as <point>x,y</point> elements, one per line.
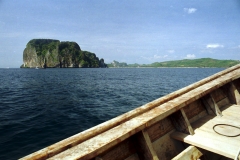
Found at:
<point>119,152</point>
<point>189,153</point>
<point>193,109</point>
<point>210,103</point>
<point>208,125</point>
<point>224,102</point>
<point>133,157</point>
<point>237,91</point>
<point>159,129</point>
<point>232,112</point>
<point>237,84</point>
<point>95,131</point>
<point>166,147</point>
<point>144,147</point>
<point>215,105</point>
<point>207,138</point>
<point>209,143</point>
<point>218,94</point>
<point>190,130</point>
<point>208,108</point>
<point>234,94</point>
<point>181,123</point>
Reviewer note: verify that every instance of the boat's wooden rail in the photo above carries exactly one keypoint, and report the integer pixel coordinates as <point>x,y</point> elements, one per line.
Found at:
<point>137,134</point>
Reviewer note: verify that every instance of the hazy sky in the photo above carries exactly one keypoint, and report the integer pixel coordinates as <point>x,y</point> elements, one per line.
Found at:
<point>132,31</point>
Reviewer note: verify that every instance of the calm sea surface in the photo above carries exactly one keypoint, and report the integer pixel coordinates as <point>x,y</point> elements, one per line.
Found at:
<point>39,107</point>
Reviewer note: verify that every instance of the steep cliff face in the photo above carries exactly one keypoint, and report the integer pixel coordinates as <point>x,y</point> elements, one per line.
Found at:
<point>30,58</point>
<point>69,54</point>
<point>48,53</point>
<point>41,53</point>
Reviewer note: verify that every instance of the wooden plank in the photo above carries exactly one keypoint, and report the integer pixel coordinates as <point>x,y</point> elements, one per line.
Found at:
<point>237,84</point>
<point>190,130</point>
<point>216,107</point>
<point>189,153</point>
<point>209,143</point>
<point>218,94</point>
<point>232,112</point>
<point>144,147</point>
<point>232,92</point>
<point>232,108</point>
<point>208,108</point>
<point>224,102</point>
<point>224,126</point>
<point>159,129</point>
<point>119,152</point>
<point>209,102</point>
<point>199,116</point>
<point>179,122</point>
<point>235,93</point>
<point>193,109</point>
<point>166,147</point>
<point>133,157</point>
<point>225,130</point>
<point>208,122</point>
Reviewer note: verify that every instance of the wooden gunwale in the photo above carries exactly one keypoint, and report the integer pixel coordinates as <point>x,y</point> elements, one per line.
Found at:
<point>163,107</point>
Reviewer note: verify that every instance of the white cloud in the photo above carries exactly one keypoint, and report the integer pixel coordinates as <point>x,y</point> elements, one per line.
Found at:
<point>156,56</point>
<point>171,51</point>
<point>190,10</point>
<point>215,45</point>
<point>190,56</point>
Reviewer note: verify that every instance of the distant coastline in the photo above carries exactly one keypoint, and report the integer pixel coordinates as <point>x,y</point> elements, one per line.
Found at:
<point>185,63</point>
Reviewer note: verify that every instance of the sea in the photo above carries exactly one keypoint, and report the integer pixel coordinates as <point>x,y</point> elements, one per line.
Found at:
<point>39,107</point>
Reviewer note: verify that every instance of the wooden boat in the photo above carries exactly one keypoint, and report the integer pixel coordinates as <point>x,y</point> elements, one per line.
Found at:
<point>200,121</point>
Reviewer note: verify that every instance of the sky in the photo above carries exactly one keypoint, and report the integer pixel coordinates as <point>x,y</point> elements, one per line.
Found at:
<point>131,31</point>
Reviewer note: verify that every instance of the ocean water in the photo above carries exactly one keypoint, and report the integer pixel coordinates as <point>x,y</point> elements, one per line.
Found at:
<point>39,107</point>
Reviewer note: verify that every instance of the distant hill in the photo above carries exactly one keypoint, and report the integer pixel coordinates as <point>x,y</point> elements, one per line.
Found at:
<point>203,62</point>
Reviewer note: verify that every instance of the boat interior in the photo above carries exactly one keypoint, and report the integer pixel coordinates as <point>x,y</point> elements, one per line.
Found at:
<point>200,121</point>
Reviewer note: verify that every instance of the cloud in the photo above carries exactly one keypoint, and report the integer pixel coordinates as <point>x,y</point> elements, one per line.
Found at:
<point>215,45</point>
<point>190,56</point>
<point>154,57</point>
<point>171,51</point>
<point>190,10</point>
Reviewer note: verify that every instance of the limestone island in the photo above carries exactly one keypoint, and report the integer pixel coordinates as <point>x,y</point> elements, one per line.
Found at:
<point>50,53</point>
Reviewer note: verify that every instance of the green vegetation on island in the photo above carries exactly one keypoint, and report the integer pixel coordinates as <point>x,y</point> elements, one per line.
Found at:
<point>49,53</point>
<point>200,63</point>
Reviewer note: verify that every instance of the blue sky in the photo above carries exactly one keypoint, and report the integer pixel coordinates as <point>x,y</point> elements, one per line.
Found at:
<point>132,31</point>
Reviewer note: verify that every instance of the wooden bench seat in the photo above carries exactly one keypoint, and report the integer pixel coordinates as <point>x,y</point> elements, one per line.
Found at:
<point>206,138</point>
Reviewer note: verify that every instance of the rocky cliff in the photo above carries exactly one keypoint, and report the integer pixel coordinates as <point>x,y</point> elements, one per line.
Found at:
<point>49,53</point>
